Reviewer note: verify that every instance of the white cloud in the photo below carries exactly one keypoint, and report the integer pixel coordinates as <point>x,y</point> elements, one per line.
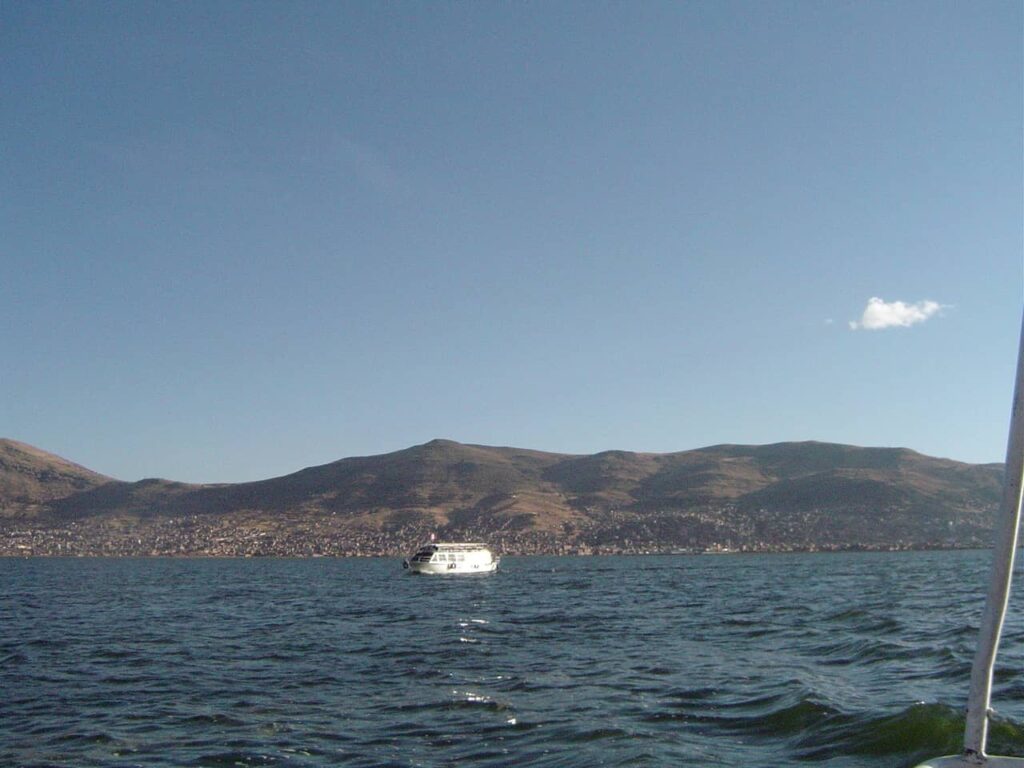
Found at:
<point>879,314</point>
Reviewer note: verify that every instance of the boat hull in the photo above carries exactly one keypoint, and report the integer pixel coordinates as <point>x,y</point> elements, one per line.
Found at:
<point>453,568</point>
<point>960,761</point>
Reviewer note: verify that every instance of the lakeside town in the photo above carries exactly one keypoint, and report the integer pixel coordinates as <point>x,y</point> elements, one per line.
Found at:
<point>212,536</point>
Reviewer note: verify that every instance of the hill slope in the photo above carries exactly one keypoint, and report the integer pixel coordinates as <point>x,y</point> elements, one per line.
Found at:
<point>30,478</point>
<point>787,495</point>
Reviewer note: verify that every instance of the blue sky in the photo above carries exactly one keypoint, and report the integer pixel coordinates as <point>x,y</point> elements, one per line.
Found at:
<point>244,238</point>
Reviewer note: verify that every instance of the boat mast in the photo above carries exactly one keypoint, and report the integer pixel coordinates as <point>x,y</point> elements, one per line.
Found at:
<point>976,730</point>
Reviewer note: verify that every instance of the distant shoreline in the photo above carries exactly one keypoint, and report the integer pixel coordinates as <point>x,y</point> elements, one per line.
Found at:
<point>783,497</point>
<point>392,556</point>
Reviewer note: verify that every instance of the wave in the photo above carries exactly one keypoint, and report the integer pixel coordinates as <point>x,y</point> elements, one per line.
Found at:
<point>711,662</point>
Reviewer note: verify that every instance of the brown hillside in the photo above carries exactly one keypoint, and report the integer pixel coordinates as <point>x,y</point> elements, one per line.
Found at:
<point>771,496</point>
<point>29,478</point>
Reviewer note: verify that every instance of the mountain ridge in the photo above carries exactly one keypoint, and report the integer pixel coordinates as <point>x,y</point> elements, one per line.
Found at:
<point>790,495</point>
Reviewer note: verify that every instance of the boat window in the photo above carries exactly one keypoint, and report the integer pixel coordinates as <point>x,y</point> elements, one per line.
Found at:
<point>460,558</point>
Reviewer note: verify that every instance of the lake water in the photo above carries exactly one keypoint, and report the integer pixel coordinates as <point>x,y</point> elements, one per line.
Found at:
<point>772,660</point>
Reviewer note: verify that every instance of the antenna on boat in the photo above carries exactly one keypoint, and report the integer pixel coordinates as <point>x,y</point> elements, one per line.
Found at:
<point>1003,551</point>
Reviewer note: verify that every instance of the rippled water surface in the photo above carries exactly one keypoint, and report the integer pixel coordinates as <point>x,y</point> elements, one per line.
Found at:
<point>775,660</point>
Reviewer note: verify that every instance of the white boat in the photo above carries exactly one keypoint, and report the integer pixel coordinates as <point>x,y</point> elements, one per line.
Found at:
<point>452,557</point>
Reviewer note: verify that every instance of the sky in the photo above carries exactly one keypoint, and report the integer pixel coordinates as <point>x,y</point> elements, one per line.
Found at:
<point>243,238</point>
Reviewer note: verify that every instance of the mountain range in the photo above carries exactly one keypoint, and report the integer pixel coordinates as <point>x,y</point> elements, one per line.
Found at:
<point>806,495</point>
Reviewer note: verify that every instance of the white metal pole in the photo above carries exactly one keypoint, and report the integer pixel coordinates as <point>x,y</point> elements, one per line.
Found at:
<point>976,731</point>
